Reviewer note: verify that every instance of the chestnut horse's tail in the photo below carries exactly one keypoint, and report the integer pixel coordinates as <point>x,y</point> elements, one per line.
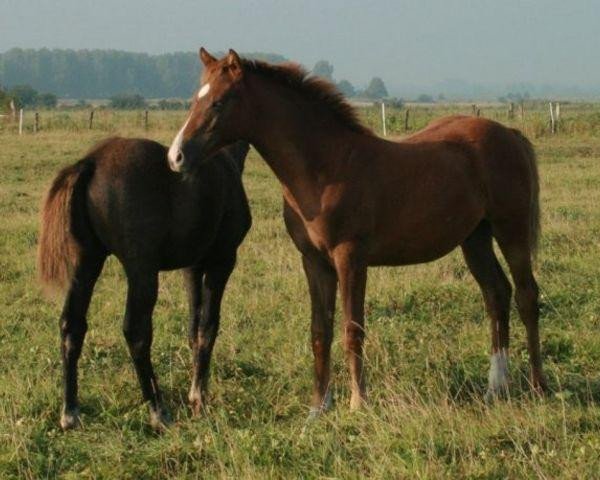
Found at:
<point>63,216</point>
<point>534,219</point>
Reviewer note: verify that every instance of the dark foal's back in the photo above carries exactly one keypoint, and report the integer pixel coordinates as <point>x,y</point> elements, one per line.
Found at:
<point>140,209</point>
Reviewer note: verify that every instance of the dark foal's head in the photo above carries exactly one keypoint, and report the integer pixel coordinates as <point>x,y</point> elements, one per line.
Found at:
<point>215,114</point>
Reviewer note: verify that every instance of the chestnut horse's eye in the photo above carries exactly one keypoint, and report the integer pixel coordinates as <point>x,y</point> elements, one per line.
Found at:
<point>217,104</point>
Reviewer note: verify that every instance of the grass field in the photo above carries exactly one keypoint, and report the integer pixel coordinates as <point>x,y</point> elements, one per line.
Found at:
<point>426,349</point>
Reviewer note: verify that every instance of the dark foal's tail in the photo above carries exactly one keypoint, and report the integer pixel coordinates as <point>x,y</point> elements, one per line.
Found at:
<point>238,151</point>
<point>63,218</point>
<point>534,211</point>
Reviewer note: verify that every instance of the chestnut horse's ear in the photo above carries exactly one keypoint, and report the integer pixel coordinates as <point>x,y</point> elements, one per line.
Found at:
<point>234,60</point>
<point>206,57</point>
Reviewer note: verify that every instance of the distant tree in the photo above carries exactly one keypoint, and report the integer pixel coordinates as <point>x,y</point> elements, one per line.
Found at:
<point>46,100</point>
<point>323,69</point>
<point>171,105</point>
<point>346,88</point>
<point>517,97</point>
<point>3,100</point>
<point>424,98</point>
<point>376,89</point>
<point>23,95</point>
<point>395,102</point>
<point>441,97</point>
<point>127,101</point>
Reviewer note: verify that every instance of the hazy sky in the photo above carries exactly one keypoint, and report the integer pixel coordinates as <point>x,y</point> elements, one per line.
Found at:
<point>416,42</point>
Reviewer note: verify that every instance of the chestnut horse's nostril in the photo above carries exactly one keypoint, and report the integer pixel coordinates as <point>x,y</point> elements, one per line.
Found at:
<point>179,158</point>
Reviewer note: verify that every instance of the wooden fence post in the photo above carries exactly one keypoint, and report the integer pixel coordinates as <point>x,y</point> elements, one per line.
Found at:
<point>382,118</point>
<point>36,122</point>
<point>522,116</point>
<point>478,112</point>
<point>91,119</point>
<point>13,110</point>
<point>21,121</point>
<point>406,115</point>
<point>474,108</point>
<point>511,111</point>
<point>557,110</point>
<point>552,120</point>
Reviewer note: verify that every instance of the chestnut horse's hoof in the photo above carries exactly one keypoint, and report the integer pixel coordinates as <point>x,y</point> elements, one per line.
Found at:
<point>326,404</point>
<point>69,419</point>
<point>491,395</point>
<point>540,388</point>
<point>160,420</point>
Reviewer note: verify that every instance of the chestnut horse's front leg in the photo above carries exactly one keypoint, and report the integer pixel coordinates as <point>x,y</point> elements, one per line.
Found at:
<point>322,283</point>
<point>351,267</point>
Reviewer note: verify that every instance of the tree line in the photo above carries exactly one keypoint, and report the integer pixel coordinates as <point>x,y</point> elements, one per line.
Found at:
<point>124,76</point>
<point>375,90</point>
<point>105,73</point>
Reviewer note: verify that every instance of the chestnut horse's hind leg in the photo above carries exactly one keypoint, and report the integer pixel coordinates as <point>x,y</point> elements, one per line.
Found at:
<point>322,284</point>
<point>205,290</point>
<point>496,290</point>
<point>351,269</point>
<point>517,253</point>
<point>73,326</point>
<point>137,328</point>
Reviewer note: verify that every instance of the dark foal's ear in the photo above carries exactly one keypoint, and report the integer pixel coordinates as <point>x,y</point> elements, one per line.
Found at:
<point>234,61</point>
<point>205,57</point>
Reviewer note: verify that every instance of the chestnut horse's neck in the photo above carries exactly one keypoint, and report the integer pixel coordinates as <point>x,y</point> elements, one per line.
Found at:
<point>301,140</point>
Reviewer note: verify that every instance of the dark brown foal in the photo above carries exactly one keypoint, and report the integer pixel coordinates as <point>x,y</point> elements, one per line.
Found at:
<point>123,199</point>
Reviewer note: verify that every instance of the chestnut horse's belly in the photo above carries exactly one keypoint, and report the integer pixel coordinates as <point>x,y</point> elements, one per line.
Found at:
<point>425,232</point>
<point>410,249</point>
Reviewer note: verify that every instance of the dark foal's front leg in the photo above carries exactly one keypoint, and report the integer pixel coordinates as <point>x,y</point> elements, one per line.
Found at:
<point>137,328</point>
<point>322,284</point>
<point>351,267</point>
<point>73,326</point>
<point>205,292</point>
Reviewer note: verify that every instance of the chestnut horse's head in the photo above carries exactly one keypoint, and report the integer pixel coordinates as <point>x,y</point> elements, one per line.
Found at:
<point>215,112</point>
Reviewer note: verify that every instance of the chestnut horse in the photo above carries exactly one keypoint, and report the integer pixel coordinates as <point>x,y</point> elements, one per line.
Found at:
<point>122,199</point>
<point>352,200</point>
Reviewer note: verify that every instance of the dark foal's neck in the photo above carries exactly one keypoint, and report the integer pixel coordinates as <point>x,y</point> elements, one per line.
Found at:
<point>302,142</point>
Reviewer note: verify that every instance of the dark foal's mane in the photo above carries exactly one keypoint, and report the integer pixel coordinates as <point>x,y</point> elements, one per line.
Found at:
<point>315,89</point>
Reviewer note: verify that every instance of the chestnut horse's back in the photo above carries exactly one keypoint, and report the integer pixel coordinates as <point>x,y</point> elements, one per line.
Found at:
<point>506,162</point>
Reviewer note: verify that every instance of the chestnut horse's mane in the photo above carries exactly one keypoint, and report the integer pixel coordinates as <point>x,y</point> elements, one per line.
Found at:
<point>313,88</point>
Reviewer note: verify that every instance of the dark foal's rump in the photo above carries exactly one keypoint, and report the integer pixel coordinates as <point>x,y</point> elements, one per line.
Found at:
<point>122,199</point>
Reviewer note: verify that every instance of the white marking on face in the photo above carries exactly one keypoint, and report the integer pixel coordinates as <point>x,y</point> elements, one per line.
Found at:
<point>498,376</point>
<point>204,90</point>
<point>175,147</point>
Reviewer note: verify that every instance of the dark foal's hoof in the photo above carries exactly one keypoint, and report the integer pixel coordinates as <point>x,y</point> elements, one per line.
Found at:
<point>160,420</point>
<point>197,401</point>
<point>197,407</point>
<point>69,419</point>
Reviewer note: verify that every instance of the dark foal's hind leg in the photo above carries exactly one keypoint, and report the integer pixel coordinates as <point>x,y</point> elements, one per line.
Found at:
<point>515,246</point>
<point>495,287</point>
<point>205,289</point>
<point>73,326</point>
<point>322,285</point>
<point>137,328</point>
